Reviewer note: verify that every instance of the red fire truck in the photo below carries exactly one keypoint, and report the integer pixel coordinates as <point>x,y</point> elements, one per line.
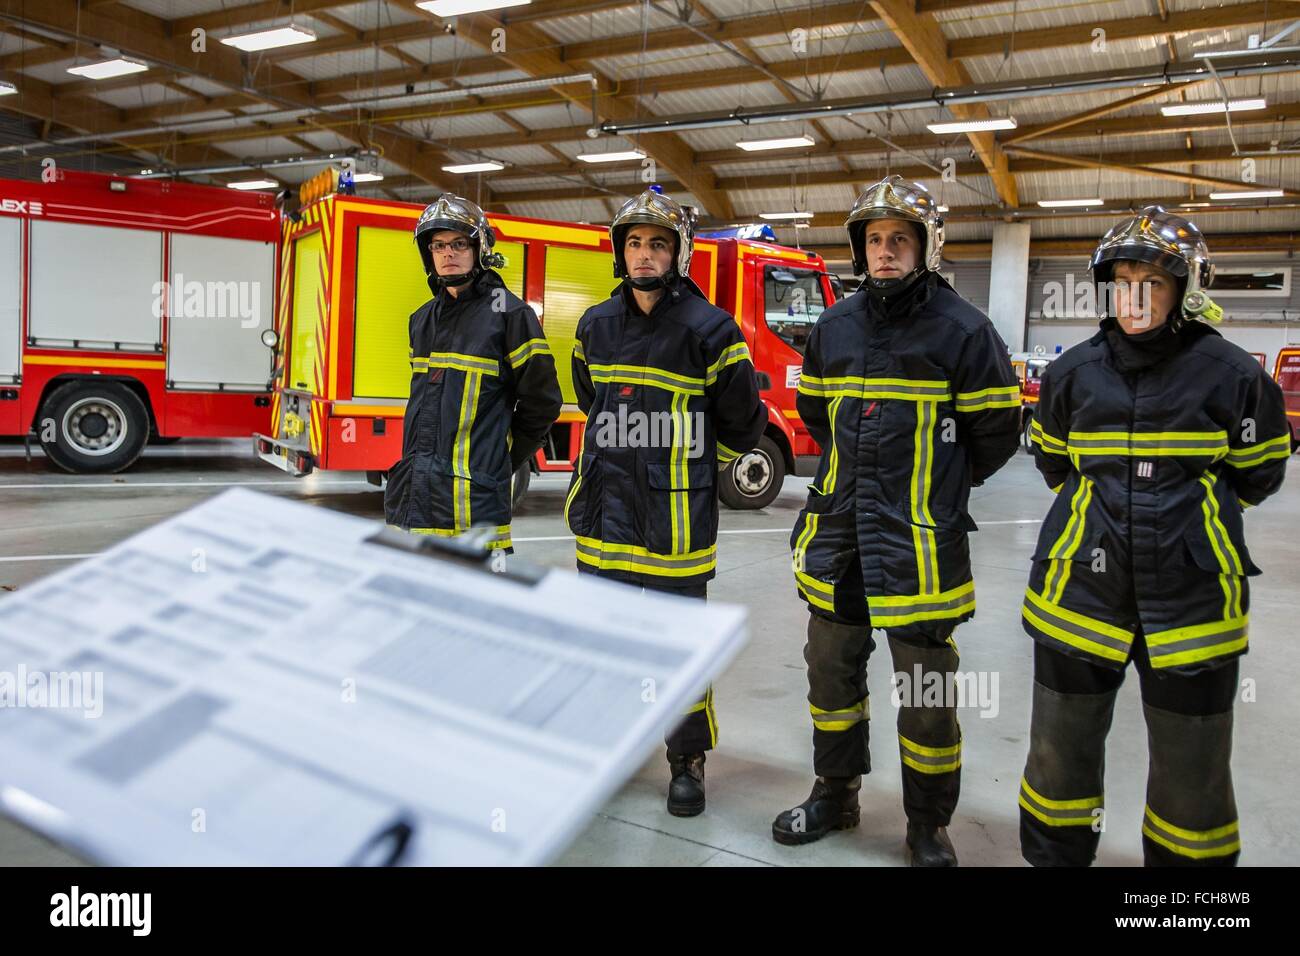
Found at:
<point>352,280</point>
<point>131,308</point>
<point>1286,372</point>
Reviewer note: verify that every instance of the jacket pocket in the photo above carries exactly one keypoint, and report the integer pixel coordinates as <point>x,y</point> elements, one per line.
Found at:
<point>582,503</point>
<point>822,545</point>
<point>682,510</point>
<point>1213,550</point>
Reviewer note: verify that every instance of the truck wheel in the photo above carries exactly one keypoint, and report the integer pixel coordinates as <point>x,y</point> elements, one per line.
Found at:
<point>1024,433</point>
<point>519,485</point>
<point>754,479</point>
<point>99,427</point>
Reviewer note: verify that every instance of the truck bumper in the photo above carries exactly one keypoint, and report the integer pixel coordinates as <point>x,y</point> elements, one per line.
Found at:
<point>292,461</point>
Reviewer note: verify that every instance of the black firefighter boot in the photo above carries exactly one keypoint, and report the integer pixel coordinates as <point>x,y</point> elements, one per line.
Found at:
<point>929,845</point>
<point>832,805</point>
<point>686,790</point>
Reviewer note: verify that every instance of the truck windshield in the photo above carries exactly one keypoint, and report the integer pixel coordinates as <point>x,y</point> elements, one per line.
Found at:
<point>793,301</point>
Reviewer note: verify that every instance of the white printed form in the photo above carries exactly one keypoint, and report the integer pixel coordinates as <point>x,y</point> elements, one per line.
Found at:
<point>253,682</point>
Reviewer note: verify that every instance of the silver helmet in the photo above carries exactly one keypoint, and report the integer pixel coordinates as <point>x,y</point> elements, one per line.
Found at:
<point>1166,241</point>
<point>461,215</point>
<point>653,208</point>
<point>895,198</point>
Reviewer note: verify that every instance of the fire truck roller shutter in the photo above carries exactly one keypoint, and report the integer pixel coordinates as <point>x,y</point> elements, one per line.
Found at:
<point>11,292</point>
<point>390,286</point>
<point>576,279</point>
<point>308,301</point>
<point>98,285</point>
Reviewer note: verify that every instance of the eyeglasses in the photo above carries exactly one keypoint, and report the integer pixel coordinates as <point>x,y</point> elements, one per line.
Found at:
<point>456,245</point>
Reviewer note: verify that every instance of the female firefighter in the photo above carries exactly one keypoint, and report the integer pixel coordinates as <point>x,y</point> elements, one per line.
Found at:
<point>910,393</point>
<point>1155,434</point>
<point>483,386</point>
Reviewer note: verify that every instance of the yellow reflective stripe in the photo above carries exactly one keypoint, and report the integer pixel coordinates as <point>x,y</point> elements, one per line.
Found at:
<point>1198,642</point>
<point>1249,457</point>
<point>1149,444</point>
<point>1058,573</point>
<point>738,352</point>
<point>500,535</point>
<point>711,715</point>
<point>899,609</point>
<point>579,353</point>
<point>725,454</point>
<point>678,500</point>
<point>1059,813</point>
<point>607,556</point>
<point>997,397</point>
<point>1195,844</point>
<point>855,386</point>
<point>573,493</point>
<point>1077,630</point>
<point>1229,560</point>
<point>1057,489</point>
<point>818,592</point>
<point>1045,440</point>
<point>833,461</point>
<point>840,720</point>
<point>460,450</point>
<point>929,759</point>
<point>923,539</point>
<point>647,375</point>
<point>526,351</point>
<point>461,362</point>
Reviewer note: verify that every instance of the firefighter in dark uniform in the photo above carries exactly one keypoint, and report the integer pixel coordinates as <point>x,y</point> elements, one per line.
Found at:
<point>658,351</point>
<point>1155,434</point>
<point>910,393</point>
<point>483,387</point>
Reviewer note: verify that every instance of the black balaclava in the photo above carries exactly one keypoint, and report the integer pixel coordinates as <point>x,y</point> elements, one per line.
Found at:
<point>886,291</point>
<point>1141,350</point>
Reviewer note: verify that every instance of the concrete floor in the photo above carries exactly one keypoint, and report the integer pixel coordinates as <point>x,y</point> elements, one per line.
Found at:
<point>763,764</point>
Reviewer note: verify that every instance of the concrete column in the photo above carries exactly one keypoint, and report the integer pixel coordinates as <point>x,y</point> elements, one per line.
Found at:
<point>1009,283</point>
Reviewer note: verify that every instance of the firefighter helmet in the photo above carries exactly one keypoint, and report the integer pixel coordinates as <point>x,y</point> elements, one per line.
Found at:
<point>460,215</point>
<point>895,198</point>
<point>1166,241</point>
<point>653,208</point>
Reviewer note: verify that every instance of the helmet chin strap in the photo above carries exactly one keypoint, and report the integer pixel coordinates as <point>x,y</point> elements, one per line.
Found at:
<point>889,288</point>
<point>647,283</point>
<point>437,282</point>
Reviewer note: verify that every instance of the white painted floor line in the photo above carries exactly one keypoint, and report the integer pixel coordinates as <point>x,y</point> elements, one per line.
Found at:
<point>183,484</point>
<point>51,557</point>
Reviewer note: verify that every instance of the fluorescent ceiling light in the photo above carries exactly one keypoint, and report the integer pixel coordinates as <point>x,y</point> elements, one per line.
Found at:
<point>270,39</point>
<point>943,209</point>
<point>254,184</point>
<point>1067,203</point>
<point>484,167</point>
<point>803,225</point>
<point>612,157</point>
<point>785,215</point>
<point>107,69</point>
<point>973,126</point>
<point>454,8</point>
<point>368,177</point>
<point>6,88</point>
<point>1250,194</point>
<point>1214,106</point>
<point>786,142</point>
<point>1194,205</point>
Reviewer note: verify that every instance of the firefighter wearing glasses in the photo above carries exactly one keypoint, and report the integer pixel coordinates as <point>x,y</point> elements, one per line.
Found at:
<point>657,354</point>
<point>910,393</point>
<point>1155,434</point>
<point>483,387</point>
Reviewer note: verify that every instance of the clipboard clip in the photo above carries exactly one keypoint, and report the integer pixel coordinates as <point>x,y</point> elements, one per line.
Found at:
<point>388,845</point>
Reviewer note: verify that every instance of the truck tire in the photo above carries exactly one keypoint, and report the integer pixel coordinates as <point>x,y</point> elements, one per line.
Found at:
<point>99,427</point>
<point>754,479</point>
<point>519,484</point>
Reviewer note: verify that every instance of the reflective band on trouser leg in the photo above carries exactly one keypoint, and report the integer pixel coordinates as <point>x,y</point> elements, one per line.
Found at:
<point>678,501</point>
<point>1066,630</point>
<point>611,556</point>
<point>929,736</point>
<point>927,559</point>
<point>698,730</point>
<point>460,450</point>
<point>1061,794</point>
<point>1191,812</point>
<point>837,655</point>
